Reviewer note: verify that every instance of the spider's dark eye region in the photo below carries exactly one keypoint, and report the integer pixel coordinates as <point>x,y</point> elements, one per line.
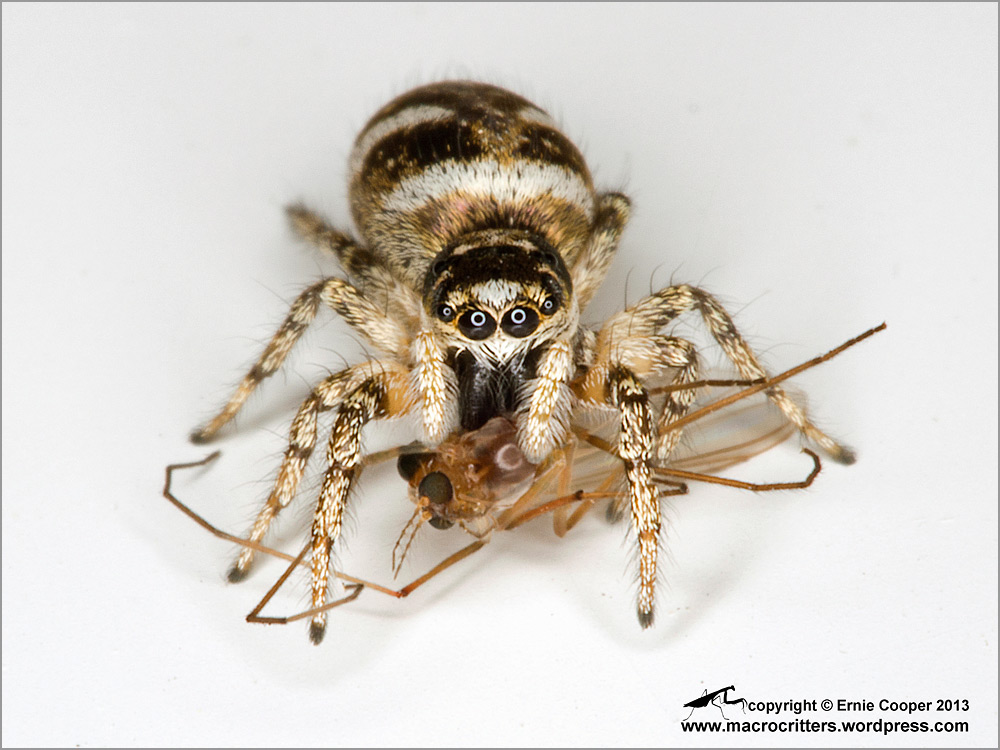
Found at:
<point>520,322</point>
<point>476,325</point>
<point>446,312</point>
<point>549,305</point>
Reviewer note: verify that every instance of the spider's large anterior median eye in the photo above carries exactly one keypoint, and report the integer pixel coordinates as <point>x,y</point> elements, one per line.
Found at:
<point>520,322</point>
<point>476,324</point>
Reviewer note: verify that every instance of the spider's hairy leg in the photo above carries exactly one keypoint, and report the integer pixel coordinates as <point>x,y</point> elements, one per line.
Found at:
<point>378,396</point>
<point>301,441</point>
<point>591,267</point>
<point>613,383</point>
<point>648,315</point>
<point>645,356</point>
<point>314,229</point>
<point>356,259</point>
<point>722,328</point>
<point>635,447</point>
<point>365,317</point>
<point>682,355</point>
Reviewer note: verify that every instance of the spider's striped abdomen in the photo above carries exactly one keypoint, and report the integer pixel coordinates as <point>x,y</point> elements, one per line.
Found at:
<point>456,157</point>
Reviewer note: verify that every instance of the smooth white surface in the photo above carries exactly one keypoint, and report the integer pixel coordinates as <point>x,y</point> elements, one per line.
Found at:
<point>821,168</point>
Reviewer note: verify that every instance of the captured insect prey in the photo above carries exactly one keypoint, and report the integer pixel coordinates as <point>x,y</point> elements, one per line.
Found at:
<point>482,239</point>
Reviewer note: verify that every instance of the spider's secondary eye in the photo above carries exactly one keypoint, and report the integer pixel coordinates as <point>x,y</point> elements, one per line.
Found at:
<point>520,322</point>
<point>550,257</point>
<point>549,305</point>
<point>476,324</point>
<point>446,312</point>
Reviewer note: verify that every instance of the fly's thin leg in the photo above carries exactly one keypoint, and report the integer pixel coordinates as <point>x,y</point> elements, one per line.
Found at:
<point>709,383</point>
<point>322,609</point>
<point>200,520</point>
<point>738,484</point>
<point>452,559</point>
<point>255,616</point>
<point>559,502</point>
<point>371,459</point>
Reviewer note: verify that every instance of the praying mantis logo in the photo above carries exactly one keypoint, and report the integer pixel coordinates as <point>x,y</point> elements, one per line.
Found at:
<point>718,699</point>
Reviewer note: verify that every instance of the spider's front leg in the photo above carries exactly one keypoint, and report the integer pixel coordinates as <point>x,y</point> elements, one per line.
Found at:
<point>618,386</point>
<point>360,394</point>
<point>635,447</point>
<point>380,395</point>
<point>332,393</point>
<point>642,321</point>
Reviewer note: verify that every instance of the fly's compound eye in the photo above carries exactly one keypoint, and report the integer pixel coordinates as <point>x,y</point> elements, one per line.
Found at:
<point>446,313</point>
<point>409,463</point>
<point>520,322</point>
<point>476,325</point>
<point>437,489</point>
<point>549,305</point>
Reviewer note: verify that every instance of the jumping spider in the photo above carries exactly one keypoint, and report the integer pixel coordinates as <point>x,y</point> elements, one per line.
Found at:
<point>483,238</point>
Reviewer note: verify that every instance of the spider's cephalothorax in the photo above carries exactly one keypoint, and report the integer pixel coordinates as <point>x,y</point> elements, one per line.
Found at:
<point>471,197</point>
<point>482,240</point>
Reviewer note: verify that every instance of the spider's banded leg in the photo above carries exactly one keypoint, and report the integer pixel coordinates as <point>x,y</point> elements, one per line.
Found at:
<point>379,395</point>
<point>301,442</point>
<point>310,226</point>
<point>591,267</point>
<point>651,313</point>
<point>645,355</point>
<point>642,356</point>
<point>680,354</point>
<point>366,318</point>
<point>635,447</point>
<point>544,418</point>
<point>357,260</point>
<point>722,328</point>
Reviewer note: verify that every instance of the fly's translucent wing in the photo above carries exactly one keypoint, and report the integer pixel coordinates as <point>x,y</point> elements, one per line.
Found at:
<point>734,434</point>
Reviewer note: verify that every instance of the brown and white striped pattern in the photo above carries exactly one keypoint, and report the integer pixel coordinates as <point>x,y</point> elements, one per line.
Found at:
<point>455,157</point>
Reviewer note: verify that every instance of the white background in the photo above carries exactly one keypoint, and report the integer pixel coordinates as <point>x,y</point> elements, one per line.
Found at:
<point>820,168</point>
